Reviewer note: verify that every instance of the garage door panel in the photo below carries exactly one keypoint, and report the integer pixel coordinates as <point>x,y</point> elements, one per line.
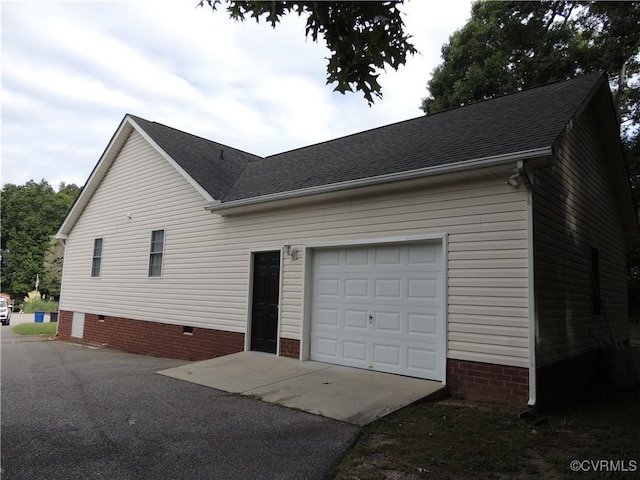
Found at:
<point>355,351</point>
<point>356,257</point>
<point>328,287</point>
<point>326,347</point>
<point>386,355</point>
<point>326,258</point>
<point>423,255</point>
<point>411,285</point>
<point>388,256</point>
<point>424,324</point>
<point>356,287</point>
<point>380,308</point>
<point>381,288</point>
<point>423,289</point>
<point>328,317</point>
<point>356,319</point>
<point>388,322</point>
<point>387,288</point>
<point>422,363</point>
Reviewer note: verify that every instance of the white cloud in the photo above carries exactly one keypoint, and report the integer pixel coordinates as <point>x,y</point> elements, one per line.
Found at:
<point>71,70</point>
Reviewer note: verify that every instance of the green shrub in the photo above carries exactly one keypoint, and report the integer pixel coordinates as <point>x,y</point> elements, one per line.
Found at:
<point>34,302</point>
<point>40,305</point>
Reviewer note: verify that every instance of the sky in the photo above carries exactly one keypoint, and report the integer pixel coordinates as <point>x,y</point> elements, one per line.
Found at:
<point>71,70</point>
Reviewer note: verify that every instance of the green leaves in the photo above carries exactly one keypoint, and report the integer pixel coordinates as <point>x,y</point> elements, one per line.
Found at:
<point>509,46</point>
<point>31,214</point>
<point>51,277</point>
<point>363,37</point>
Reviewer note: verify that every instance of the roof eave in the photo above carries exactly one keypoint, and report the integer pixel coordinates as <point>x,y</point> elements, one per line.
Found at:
<point>248,204</point>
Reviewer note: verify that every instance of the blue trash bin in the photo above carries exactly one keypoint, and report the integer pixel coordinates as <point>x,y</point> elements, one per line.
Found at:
<point>39,317</point>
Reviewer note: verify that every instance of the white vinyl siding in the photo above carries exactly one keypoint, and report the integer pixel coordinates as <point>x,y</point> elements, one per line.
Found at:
<point>574,213</point>
<point>207,263</point>
<point>140,193</point>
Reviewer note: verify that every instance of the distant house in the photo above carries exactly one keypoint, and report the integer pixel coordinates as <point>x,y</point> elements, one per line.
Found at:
<point>481,247</point>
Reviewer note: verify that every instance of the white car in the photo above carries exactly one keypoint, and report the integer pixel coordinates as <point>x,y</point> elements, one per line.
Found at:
<point>5,312</point>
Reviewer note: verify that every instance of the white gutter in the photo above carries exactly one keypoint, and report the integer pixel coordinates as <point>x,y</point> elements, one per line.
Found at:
<point>531,286</point>
<point>496,160</point>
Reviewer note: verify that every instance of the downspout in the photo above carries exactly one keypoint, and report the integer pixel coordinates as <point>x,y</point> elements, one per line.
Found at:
<point>522,172</point>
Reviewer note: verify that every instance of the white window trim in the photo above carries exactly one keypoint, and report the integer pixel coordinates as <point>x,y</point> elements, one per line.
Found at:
<point>93,257</point>
<point>164,243</point>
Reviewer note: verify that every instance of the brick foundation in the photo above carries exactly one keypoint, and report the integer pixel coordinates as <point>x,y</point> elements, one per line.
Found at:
<point>289,348</point>
<point>64,324</point>
<point>487,382</point>
<point>152,338</point>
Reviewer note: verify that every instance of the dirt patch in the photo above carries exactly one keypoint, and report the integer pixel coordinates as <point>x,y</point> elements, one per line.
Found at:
<point>455,439</point>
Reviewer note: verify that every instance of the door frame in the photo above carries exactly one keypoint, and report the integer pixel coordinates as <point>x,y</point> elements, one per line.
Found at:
<point>307,295</point>
<point>249,320</point>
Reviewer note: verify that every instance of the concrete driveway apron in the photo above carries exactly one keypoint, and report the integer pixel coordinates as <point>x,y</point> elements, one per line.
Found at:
<point>350,395</point>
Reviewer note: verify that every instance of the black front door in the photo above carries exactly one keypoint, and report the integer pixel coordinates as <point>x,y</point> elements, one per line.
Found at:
<point>264,309</point>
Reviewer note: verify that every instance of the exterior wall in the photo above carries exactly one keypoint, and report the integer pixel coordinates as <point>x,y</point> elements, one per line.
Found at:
<point>575,211</point>
<point>64,324</point>
<point>289,348</point>
<point>206,275</point>
<point>152,338</point>
<point>486,223</point>
<point>203,285</point>
<point>487,382</point>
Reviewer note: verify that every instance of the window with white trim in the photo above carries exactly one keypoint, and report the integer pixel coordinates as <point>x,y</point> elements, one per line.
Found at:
<point>96,259</point>
<point>156,252</point>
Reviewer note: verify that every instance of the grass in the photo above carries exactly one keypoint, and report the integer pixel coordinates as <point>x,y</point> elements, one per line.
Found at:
<point>48,328</point>
<point>454,439</point>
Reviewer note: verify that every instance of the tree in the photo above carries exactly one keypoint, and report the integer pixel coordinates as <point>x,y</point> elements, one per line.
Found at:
<point>363,37</point>
<point>52,267</point>
<point>509,46</point>
<point>31,214</point>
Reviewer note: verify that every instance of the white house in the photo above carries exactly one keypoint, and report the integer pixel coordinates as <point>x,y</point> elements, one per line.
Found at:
<point>482,247</point>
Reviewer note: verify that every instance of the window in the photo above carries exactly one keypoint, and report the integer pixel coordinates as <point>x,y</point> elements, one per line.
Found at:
<point>595,281</point>
<point>97,257</point>
<point>155,254</point>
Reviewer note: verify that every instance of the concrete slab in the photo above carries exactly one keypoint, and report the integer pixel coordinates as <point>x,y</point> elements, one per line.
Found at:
<point>351,395</point>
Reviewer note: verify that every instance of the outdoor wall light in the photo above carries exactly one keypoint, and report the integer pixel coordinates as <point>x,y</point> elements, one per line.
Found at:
<point>513,180</point>
<point>289,252</point>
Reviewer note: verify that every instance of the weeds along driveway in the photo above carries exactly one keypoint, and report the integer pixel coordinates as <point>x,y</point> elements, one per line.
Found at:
<point>73,412</point>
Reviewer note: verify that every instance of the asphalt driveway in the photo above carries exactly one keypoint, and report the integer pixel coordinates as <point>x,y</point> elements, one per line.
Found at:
<point>74,412</point>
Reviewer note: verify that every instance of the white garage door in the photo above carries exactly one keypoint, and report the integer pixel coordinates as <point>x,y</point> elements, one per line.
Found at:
<point>380,308</point>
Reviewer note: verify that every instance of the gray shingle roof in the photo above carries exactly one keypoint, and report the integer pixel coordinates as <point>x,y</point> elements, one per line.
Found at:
<point>512,123</point>
<point>213,165</point>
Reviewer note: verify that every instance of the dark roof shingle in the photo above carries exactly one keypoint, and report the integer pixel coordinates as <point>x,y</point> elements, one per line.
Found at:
<point>213,165</point>
<point>512,123</point>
